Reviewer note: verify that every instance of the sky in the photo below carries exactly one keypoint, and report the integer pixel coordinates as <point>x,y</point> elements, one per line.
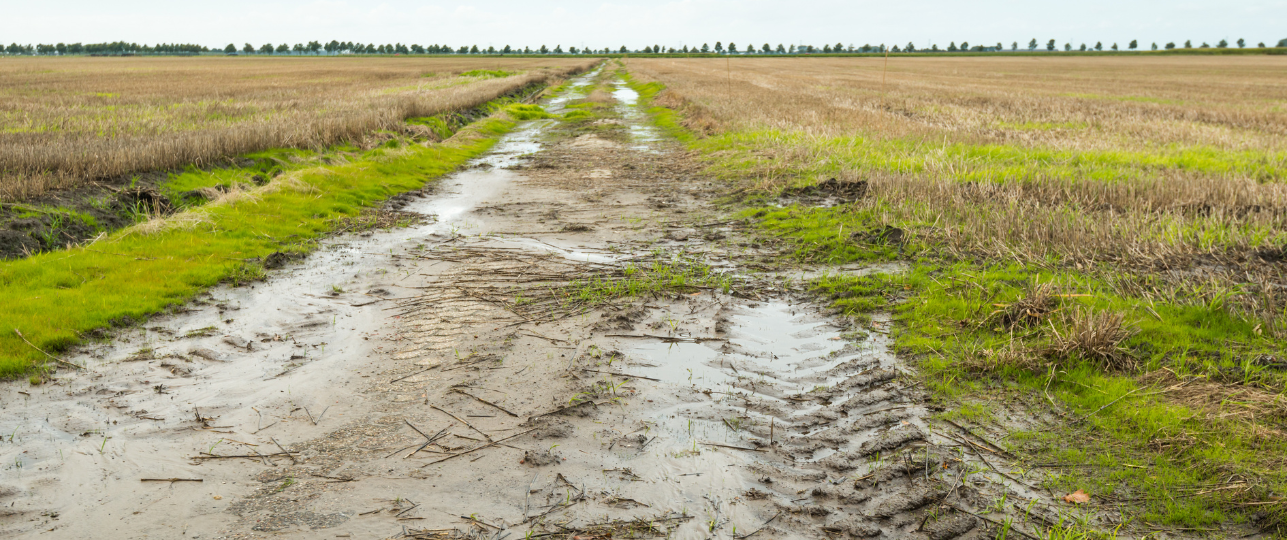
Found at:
<point>635,24</point>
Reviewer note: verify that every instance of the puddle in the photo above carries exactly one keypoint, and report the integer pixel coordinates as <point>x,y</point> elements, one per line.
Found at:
<point>641,130</point>
<point>290,352</point>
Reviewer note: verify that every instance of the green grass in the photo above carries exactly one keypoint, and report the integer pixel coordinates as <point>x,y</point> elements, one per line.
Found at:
<point>978,162</point>
<point>944,309</point>
<point>55,298</point>
<point>488,73</point>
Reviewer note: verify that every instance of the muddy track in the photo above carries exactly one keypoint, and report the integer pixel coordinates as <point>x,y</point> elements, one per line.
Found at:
<point>425,383</point>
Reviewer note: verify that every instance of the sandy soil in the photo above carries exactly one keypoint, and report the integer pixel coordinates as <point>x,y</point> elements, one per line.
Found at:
<point>391,386</point>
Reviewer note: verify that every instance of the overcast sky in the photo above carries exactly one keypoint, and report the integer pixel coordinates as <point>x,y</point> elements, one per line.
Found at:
<point>598,24</point>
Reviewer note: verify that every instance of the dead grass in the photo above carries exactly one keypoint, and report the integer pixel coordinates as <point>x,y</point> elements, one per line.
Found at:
<point>1060,102</point>
<point>1165,174</point>
<point>66,121</point>
<point>1097,337</point>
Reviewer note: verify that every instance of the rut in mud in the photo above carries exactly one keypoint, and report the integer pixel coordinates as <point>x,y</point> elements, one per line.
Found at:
<point>452,379</point>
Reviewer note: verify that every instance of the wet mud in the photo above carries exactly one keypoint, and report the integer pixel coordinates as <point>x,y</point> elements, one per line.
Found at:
<point>392,384</point>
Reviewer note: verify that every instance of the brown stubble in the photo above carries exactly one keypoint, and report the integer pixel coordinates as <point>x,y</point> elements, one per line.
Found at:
<point>1172,235</point>
<point>68,121</point>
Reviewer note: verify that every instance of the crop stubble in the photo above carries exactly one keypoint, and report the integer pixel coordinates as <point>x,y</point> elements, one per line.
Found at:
<point>68,121</point>
<point>1169,166</point>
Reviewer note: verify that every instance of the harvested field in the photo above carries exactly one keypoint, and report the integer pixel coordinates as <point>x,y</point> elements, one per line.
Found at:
<point>68,121</point>
<point>1103,238</point>
<point>620,309</point>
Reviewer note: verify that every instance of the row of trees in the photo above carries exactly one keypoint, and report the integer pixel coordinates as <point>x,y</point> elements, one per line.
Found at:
<point>1133,45</point>
<point>118,47</point>
<point>348,47</point>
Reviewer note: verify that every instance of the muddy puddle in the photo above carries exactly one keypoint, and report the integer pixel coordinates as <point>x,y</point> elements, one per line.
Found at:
<point>283,357</point>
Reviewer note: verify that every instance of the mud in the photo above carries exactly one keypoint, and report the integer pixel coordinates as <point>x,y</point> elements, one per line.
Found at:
<point>344,397</point>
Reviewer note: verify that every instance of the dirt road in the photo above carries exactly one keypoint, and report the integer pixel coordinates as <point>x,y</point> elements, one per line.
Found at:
<point>443,380</point>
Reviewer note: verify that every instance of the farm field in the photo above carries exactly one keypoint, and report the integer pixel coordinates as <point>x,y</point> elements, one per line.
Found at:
<point>70,121</point>
<point>933,298</point>
<point>1100,239</point>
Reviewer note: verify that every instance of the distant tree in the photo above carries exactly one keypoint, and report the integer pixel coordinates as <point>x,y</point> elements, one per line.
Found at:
<point>826,48</point>
<point>75,48</point>
<point>840,46</point>
<point>732,48</point>
<point>528,50</point>
<point>506,50</point>
<point>792,49</point>
<point>248,49</point>
<point>1133,45</point>
<point>230,49</point>
<point>623,50</point>
<point>965,45</point>
<point>1068,46</point>
<point>648,49</point>
<point>558,49</point>
<point>1083,47</point>
<point>705,48</point>
<point>1188,44</point>
<point>60,48</point>
<point>1099,45</point>
<point>684,50</point>
<point>895,49</point>
<point>1281,43</point>
<point>1014,46</point>
<point>1155,45</point>
<point>1050,46</point>
<point>283,48</point>
<point>416,48</point>
<point>473,49</point>
<point>1000,46</point>
<point>1222,44</point>
<point>952,47</point>
<point>491,49</point>
<point>1170,45</point>
<point>1114,46</point>
<point>267,48</point>
<point>1032,45</point>
<point>314,47</point>
<point>933,48</point>
<point>766,49</point>
<point>1242,43</point>
<point>910,47</point>
<point>780,49</point>
<point>1261,44</point>
<point>718,47</point>
<point>1203,45</point>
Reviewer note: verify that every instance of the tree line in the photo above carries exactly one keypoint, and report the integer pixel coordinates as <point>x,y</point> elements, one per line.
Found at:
<point>348,47</point>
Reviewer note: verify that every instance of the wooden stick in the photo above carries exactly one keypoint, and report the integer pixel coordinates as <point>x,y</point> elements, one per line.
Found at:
<point>502,409</point>
<point>463,421</point>
<point>478,448</point>
<point>171,480</point>
<point>52,357</point>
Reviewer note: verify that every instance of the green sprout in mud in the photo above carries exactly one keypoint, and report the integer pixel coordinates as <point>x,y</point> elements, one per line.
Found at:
<point>212,447</point>
<point>337,289</point>
<point>997,506</point>
<point>290,481</point>
<point>103,447</point>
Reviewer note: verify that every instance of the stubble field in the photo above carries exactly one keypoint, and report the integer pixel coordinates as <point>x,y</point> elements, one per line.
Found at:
<point>69,121</point>
<point>1105,237</point>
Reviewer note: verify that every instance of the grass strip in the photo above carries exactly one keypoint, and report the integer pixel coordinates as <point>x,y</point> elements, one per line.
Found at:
<point>56,298</point>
